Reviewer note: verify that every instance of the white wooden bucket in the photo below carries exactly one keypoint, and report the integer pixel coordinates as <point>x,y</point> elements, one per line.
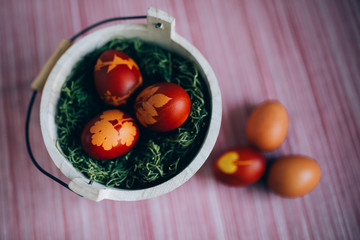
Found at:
<point>160,29</point>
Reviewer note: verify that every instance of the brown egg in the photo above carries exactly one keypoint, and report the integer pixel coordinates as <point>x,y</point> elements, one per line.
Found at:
<point>267,126</point>
<point>293,176</point>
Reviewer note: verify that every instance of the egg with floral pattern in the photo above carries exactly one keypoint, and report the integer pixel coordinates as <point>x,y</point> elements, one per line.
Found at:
<point>162,107</point>
<point>109,135</point>
<point>116,77</point>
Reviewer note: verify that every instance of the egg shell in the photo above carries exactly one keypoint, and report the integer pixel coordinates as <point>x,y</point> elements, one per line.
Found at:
<point>239,166</point>
<point>162,107</point>
<point>116,77</point>
<point>110,134</point>
<point>293,176</point>
<point>267,125</point>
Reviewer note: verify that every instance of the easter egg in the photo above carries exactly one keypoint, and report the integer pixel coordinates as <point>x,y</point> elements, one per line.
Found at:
<point>239,166</point>
<point>109,135</point>
<point>267,125</point>
<point>116,77</point>
<point>293,176</point>
<point>162,107</point>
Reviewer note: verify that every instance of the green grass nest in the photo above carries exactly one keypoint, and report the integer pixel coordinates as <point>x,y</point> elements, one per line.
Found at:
<point>156,157</point>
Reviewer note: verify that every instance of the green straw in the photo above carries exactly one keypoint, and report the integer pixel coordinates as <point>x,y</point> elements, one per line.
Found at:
<point>156,157</point>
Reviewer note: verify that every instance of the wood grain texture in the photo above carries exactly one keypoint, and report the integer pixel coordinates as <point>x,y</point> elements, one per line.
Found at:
<point>305,53</point>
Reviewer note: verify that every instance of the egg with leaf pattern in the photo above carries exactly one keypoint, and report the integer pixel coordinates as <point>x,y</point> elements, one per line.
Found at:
<point>162,107</point>
<point>109,135</point>
<point>116,77</point>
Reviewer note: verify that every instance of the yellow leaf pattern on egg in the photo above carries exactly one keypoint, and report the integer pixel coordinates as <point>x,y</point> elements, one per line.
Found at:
<point>147,112</point>
<point>105,134</point>
<point>114,63</point>
<point>158,100</point>
<point>148,92</point>
<point>113,100</point>
<point>127,133</point>
<point>229,162</point>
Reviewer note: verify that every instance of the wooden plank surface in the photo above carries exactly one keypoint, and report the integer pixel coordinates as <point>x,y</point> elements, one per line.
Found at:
<point>305,53</point>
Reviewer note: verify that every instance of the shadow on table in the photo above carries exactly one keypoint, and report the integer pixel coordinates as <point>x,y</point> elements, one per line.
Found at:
<point>237,118</point>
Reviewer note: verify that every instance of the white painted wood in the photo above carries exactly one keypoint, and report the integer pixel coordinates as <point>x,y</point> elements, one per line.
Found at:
<point>39,81</point>
<point>160,30</point>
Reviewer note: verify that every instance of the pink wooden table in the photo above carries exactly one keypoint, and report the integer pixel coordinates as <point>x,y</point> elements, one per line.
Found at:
<point>306,54</point>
